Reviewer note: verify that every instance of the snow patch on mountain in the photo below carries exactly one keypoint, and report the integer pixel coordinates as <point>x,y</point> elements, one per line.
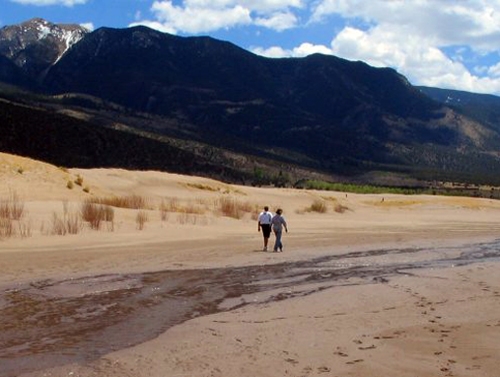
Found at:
<point>37,44</point>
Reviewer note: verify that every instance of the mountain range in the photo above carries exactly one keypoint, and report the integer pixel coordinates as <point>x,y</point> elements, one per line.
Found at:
<point>138,98</point>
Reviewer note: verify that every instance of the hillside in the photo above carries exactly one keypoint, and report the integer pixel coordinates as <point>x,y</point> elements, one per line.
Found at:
<point>252,119</point>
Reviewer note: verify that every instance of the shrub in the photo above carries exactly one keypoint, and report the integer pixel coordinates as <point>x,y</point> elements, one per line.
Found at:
<point>79,180</point>
<point>95,214</point>
<point>4,210</point>
<point>12,208</point>
<point>200,186</point>
<point>318,206</point>
<point>58,227</point>
<point>24,229</point>
<point>12,211</point>
<point>131,201</point>
<point>172,205</point>
<point>70,185</point>
<point>140,219</point>
<point>7,229</point>
<point>232,208</point>
<point>73,223</point>
<point>339,208</point>
<point>163,211</point>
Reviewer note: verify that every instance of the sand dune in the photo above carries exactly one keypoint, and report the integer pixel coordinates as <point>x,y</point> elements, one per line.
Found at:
<point>430,322</point>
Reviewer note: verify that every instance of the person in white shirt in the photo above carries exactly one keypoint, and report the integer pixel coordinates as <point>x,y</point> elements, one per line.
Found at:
<point>264,223</point>
<point>278,223</point>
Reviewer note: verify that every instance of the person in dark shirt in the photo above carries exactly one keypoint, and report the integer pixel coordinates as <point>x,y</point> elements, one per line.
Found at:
<point>278,223</point>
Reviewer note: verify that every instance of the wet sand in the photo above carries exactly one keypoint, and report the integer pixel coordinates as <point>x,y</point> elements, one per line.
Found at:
<point>50,324</point>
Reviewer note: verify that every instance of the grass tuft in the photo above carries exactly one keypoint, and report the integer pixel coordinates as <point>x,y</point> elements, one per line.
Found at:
<point>318,206</point>
<point>79,180</point>
<point>11,212</point>
<point>130,201</point>
<point>339,208</point>
<point>95,214</point>
<point>231,207</point>
<point>141,219</point>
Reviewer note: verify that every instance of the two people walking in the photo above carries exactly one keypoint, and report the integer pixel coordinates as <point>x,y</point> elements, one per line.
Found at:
<point>267,222</point>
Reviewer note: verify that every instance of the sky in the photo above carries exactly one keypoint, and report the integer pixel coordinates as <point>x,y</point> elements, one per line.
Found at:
<point>452,44</point>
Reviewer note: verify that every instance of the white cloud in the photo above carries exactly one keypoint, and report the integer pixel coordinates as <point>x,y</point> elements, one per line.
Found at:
<point>271,5</point>
<point>88,25</point>
<point>411,36</point>
<point>494,71</point>
<point>304,49</point>
<point>157,26</point>
<point>198,16</point>
<point>412,55</point>
<point>308,48</point>
<point>272,52</point>
<point>474,22</point>
<point>67,3</point>
<point>278,21</point>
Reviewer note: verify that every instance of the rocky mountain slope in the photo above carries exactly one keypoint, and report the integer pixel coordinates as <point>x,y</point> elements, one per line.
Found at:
<point>36,45</point>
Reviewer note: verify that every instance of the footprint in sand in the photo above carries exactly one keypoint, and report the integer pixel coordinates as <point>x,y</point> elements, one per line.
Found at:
<point>355,361</point>
<point>474,367</point>
<point>323,370</point>
<point>339,353</point>
<point>373,346</point>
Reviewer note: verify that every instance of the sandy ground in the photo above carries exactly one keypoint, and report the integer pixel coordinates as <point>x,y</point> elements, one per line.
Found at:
<point>430,322</point>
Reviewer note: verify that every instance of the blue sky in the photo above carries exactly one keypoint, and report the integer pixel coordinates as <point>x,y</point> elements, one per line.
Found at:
<point>451,44</point>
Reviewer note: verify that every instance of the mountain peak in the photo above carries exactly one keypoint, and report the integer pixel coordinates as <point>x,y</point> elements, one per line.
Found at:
<point>36,44</point>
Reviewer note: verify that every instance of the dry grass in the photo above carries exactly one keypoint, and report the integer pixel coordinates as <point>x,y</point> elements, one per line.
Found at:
<point>193,219</point>
<point>195,206</point>
<point>130,201</point>
<point>163,211</point>
<point>200,186</point>
<point>11,212</point>
<point>79,180</point>
<point>12,208</point>
<point>7,228</point>
<point>95,214</point>
<point>339,208</point>
<point>70,223</point>
<point>24,229</point>
<point>394,202</point>
<point>141,219</point>
<point>318,206</point>
<point>233,208</point>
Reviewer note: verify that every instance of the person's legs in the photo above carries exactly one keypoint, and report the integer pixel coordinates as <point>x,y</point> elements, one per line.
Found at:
<point>266,232</point>
<point>277,242</point>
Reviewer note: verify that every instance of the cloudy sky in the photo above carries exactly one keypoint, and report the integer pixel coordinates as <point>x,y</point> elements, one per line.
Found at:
<point>442,43</point>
